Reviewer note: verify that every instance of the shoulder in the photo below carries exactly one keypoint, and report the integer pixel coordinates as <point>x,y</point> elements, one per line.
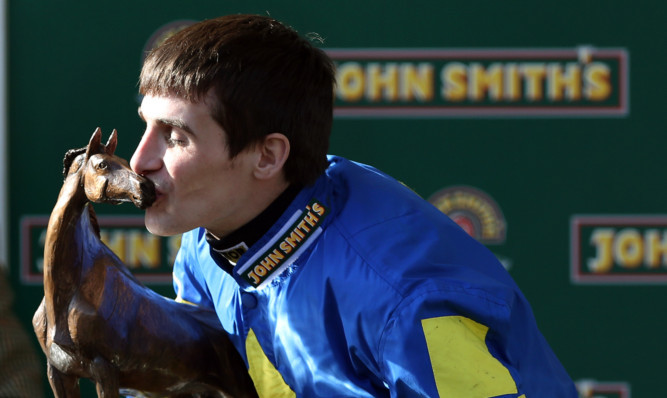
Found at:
<point>396,231</point>
<point>367,197</point>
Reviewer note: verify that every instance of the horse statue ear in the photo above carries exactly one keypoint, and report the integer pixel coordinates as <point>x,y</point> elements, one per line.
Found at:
<point>94,143</point>
<point>110,147</point>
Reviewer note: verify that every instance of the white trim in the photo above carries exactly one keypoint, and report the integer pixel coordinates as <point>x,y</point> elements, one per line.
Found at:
<point>4,161</point>
<point>243,267</point>
<point>312,238</point>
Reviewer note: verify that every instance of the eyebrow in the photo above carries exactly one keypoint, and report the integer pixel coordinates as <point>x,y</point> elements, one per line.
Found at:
<point>178,123</point>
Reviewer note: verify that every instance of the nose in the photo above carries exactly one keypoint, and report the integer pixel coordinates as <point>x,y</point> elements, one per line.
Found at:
<point>147,158</point>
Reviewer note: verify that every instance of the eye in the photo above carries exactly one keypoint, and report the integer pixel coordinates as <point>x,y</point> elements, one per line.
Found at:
<point>174,139</point>
<point>103,165</point>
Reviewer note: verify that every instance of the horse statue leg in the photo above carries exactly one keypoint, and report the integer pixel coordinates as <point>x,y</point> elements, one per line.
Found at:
<point>63,386</point>
<point>106,378</point>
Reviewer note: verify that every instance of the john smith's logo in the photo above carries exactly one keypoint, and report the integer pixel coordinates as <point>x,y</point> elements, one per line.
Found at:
<point>618,249</point>
<point>481,82</point>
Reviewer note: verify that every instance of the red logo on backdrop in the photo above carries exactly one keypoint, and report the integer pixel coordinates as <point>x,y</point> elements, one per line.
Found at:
<point>474,211</point>
<point>163,33</point>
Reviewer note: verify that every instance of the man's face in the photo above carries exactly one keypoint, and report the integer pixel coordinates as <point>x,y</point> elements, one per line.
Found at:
<point>184,152</point>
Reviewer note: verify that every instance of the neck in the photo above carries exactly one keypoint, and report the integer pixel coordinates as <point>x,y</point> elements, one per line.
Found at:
<point>59,249</point>
<point>252,231</point>
<point>257,199</point>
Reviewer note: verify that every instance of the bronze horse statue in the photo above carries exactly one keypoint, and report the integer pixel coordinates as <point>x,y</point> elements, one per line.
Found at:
<point>97,321</point>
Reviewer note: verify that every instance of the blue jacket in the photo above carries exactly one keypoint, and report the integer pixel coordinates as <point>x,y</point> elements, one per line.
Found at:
<point>363,289</point>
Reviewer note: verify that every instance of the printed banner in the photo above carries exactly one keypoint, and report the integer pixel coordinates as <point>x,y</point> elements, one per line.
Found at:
<point>618,249</point>
<point>149,257</point>
<point>598,389</point>
<point>584,81</point>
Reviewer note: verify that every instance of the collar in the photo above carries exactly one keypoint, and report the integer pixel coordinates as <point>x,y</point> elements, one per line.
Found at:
<point>234,245</point>
<point>289,238</point>
<point>285,246</point>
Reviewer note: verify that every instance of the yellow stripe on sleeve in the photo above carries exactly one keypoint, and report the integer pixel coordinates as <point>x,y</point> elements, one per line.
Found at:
<point>461,361</point>
<point>268,381</point>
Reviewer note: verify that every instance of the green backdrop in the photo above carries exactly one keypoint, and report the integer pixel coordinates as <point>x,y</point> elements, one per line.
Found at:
<point>567,182</point>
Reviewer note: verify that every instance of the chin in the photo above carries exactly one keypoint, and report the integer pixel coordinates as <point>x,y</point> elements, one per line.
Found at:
<point>155,230</point>
<point>163,225</point>
<point>156,226</point>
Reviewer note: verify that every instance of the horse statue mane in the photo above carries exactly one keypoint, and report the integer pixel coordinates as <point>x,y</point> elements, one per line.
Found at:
<point>97,321</point>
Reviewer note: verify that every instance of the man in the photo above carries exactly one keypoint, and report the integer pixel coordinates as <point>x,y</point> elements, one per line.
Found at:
<point>331,278</point>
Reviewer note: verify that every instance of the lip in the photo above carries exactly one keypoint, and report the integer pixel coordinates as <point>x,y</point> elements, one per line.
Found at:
<point>158,195</point>
<point>158,191</point>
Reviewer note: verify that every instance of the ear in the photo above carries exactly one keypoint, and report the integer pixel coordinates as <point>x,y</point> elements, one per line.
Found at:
<point>110,147</point>
<point>273,152</point>
<point>94,143</point>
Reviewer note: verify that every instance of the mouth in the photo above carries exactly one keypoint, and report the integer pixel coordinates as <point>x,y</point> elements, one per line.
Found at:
<point>110,199</point>
<point>147,195</point>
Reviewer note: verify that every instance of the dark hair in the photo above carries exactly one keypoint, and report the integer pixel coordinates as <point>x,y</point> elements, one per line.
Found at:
<point>265,77</point>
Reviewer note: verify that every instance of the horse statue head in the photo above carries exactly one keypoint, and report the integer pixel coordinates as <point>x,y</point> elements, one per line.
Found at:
<point>107,178</point>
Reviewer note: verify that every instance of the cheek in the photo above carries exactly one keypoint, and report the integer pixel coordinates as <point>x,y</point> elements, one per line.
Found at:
<point>93,192</point>
<point>179,165</point>
<point>190,170</point>
<point>204,165</point>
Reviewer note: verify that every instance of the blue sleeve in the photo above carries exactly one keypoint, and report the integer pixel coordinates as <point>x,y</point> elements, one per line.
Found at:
<point>467,343</point>
<point>189,283</point>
